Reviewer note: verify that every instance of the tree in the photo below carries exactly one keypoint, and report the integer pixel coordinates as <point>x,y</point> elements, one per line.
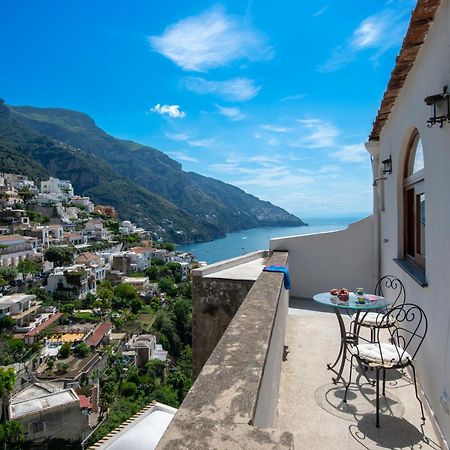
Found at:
<point>41,295</point>
<point>28,266</point>
<point>26,195</point>
<point>11,435</point>
<point>81,350</point>
<point>167,285</point>
<point>136,305</point>
<point>170,246</point>
<point>155,368</point>
<point>166,395</point>
<point>175,269</point>
<point>64,350</point>
<point>6,323</point>
<point>62,367</point>
<point>182,310</point>
<point>59,255</point>
<point>165,328</point>
<point>129,389</point>
<point>179,382</point>
<point>126,292</point>
<point>7,380</point>
<point>8,275</point>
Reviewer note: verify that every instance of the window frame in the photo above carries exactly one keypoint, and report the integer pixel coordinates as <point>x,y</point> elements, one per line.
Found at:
<point>413,188</point>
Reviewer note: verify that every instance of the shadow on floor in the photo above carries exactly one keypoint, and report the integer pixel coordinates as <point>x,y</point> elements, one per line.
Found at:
<point>395,432</point>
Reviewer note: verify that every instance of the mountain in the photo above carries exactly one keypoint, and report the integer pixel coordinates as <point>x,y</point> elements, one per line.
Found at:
<point>182,205</point>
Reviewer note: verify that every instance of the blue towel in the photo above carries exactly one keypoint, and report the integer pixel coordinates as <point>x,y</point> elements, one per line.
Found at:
<point>282,269</point>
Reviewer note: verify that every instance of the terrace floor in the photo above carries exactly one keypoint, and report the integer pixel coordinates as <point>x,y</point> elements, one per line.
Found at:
<point>311,406</point>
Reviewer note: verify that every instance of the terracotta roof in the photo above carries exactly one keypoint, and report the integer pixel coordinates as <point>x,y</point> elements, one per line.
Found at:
<point>143,249</point>
<point>94,339</point>
<point>86,258</point>
<point>84,402</point>
<point>44,325</point>
<point>420,23</point>
<point>72,235</point>
<point>11,237</point>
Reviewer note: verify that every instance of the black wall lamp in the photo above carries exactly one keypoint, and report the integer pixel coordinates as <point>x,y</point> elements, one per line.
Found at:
<point>440,108</point>
<point>387,165</point>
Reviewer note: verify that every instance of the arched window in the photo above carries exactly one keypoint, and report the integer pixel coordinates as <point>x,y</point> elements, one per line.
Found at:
<point>414,203</point>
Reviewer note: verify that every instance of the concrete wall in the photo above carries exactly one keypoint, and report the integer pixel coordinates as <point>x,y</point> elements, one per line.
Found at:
<point>236,392</point>
<point>267,404</point>
<point>66,422</point>
<point>322,261</point>
<point>430,73</point>
<point>214,304</point>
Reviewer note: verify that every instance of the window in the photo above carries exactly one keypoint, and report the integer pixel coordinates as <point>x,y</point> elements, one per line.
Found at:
<point>414,204</point>
<point>37,427</point>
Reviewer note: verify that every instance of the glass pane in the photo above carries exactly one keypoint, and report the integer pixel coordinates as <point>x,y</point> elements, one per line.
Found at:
<point>410,248</point>
<point>421,224</point>
<point>415,162</point>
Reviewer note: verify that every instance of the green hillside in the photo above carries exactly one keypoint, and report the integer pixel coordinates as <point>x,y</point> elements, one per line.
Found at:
<point>143,183</point>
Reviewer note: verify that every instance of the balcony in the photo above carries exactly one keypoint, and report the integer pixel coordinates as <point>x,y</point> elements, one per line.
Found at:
<point>263,381</point>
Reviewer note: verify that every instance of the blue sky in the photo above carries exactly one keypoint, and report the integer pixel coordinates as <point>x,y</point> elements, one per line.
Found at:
<point>275,97</point>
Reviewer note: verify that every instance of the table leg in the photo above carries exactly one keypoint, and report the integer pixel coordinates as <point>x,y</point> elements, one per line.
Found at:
<point>342,355</point>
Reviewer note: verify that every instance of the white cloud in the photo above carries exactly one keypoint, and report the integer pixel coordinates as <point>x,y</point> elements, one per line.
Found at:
<point>354,153</point>
<point>172,111</point>
<point>293,97</point>
<point>236,89</point>
<point>320,11</point>
<point>379,32</point>
<point>275,128</point>
<point>186,137</point>
<point>319,134</point>
<point>178,136</point>
<point>233,112</point>
<point>266,171</point>
<point>211,39</point>
<point>180,156</point>
<point>200,142</point>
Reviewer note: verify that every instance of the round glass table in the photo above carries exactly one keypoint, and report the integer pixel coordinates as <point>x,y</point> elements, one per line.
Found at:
<point>371,303</point>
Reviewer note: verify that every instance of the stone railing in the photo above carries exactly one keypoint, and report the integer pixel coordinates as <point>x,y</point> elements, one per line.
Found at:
<point>233,402</point>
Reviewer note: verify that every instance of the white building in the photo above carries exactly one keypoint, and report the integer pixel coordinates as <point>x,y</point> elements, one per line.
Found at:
<point>16,181</point>
<point>22,308</point>
<point>130,228</point>
<point>48,413</point>
<point>94,230</point>
<point>142,432</point>
<point>62,189</point>
<point>83,203</point>
<point>17,248</point>
<point>93,263</point>
<point>74,280</point>
<point>408,235</point>
<point>411,204</point>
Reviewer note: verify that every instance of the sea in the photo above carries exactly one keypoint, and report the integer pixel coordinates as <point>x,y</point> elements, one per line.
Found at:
<point>241,242</point>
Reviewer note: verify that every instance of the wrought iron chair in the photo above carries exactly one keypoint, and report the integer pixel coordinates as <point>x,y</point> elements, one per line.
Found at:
<point>391,288</point>
<point>406,336</point>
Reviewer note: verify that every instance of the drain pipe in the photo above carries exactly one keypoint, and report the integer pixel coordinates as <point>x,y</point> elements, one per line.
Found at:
<point>373,147</point>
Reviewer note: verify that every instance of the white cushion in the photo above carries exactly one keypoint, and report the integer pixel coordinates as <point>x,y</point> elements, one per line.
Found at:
<point>372,353</point>
<point>374,319</point>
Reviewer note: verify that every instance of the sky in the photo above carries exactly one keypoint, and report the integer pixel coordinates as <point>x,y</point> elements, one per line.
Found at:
<point>276,98</point>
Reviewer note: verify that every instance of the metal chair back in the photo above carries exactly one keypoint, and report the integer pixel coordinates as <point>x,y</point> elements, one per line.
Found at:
<point>407,334</point>
<point>391,288</point>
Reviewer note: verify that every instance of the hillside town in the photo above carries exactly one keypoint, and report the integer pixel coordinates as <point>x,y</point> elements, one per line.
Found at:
<point>95,316</point>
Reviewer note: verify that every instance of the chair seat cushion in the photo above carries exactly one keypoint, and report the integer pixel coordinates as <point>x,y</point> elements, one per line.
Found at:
<point>374,319</point>
<point>385,355</point>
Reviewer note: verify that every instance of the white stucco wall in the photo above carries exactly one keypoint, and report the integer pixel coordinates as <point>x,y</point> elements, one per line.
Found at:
<point>429,74</point>
<point>322,261</point>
